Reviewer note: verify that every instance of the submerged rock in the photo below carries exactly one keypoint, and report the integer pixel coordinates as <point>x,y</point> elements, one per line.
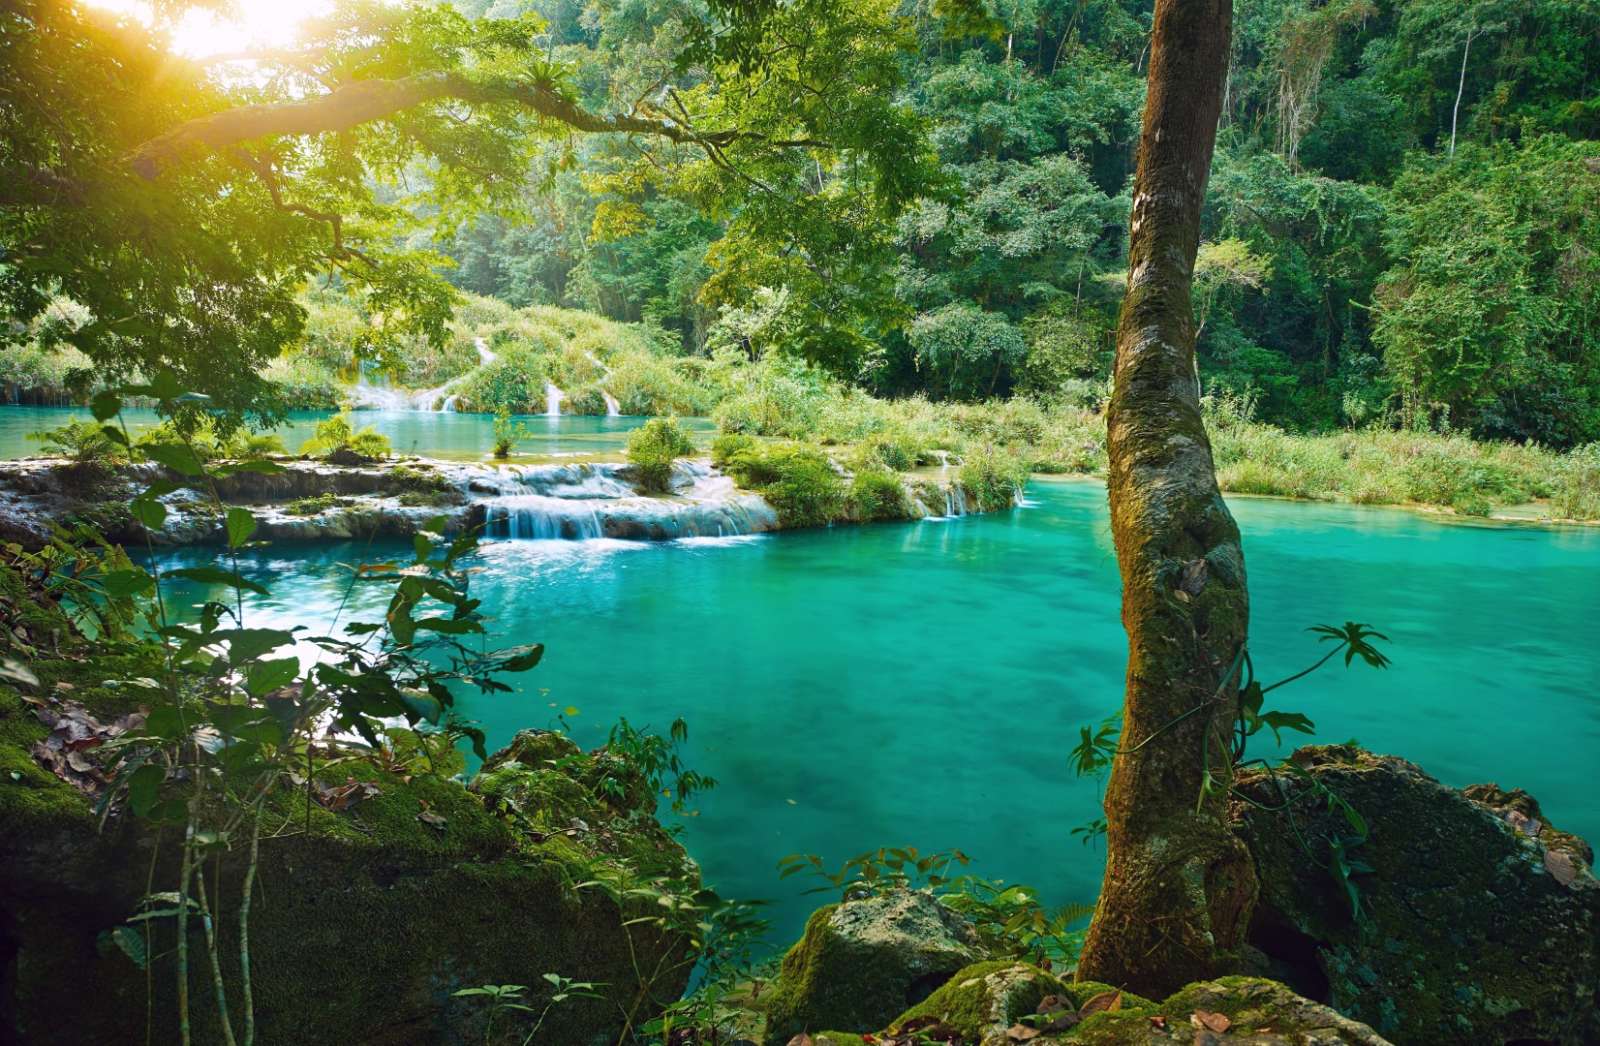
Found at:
<point>1480,921</point>
<point>862,962</point>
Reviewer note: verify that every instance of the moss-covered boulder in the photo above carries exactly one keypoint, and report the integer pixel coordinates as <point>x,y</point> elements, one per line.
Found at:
<point>861,963</point>
<point>1231,1010</point>
<point>1479,920</point>
<point>370,913</point>
<point>985,1001</point>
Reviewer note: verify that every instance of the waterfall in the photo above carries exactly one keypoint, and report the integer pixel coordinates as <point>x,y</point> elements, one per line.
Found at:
<point>449,404</point>
<point>485,354</point>
<point>955,500</point>
<point>594,500</point>
<point>552,400</point>
<point>538,517</point>
<point>613,408</point>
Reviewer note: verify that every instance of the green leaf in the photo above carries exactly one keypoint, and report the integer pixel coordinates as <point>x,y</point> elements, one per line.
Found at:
<point>131,943</point>
<point>519,658</point>
<point>450,626</point>
<point>241,524</point>
<point>17,672</point>
<point>422,705</point>
<point>149,512</point>
<point>177,457</point>
<point>247,644</point>
<point>144,787</point>
<point>267,676</point>
<point>120,584</point>
<point>217,576</point>
<point>105,405</point>
<point>1277,721</point>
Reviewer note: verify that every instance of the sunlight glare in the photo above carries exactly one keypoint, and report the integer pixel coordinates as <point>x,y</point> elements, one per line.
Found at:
<point>247,25</point>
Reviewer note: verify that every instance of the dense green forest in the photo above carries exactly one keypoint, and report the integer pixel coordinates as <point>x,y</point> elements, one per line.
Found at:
<point>1402,227</point>
<point>570,308</point>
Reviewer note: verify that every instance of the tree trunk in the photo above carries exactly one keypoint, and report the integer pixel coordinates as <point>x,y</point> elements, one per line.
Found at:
<point>1178,885</point>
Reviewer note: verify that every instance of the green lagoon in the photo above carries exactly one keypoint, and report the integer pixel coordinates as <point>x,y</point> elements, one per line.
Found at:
<point>921,683</point>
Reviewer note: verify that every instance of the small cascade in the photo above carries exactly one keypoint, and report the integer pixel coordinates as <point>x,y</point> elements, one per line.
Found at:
<point>593,500</point>
<point>448,405</point>
<point>485,354</point>
<point>537,517</point>
<point>552,400</point>
<point>613,408</point>
<point>955,500</point>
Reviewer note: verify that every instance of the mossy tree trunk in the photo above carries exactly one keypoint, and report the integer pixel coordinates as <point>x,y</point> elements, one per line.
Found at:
<point>1178,885</point>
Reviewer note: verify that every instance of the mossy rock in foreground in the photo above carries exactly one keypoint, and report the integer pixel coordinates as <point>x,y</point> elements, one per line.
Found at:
<point>366,920</point>
<point>999,1004</point>
<point>1480,921</point>
<point>862,962</point>
<point>984,1001</point>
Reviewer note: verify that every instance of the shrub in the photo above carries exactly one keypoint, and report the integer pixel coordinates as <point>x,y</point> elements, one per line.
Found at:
<point>84,442</point>
<point>336,433</point>
<point>727,445</point>
<point>992,477</point>
<point>514,382</point>
<point>798,480</point>
<point>1577,491</point>
<point>894,450</point>
<point>878,494</point>
<point>653,447</point>
<point>507,433</point>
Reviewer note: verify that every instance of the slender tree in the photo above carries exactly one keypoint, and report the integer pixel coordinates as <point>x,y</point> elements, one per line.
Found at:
<point>1178,884</point>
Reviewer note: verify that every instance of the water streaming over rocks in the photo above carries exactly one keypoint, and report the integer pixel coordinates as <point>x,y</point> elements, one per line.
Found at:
<point>594,501</point>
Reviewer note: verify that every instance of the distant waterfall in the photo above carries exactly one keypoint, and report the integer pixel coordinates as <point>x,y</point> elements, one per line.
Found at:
<point>613,408</point>
<point>552,400</point>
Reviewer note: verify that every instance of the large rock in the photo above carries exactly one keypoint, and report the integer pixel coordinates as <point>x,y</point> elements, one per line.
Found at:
<point>861,963</point>
<point>368,918</point>
<point>1009,1003</point>
<point>1479,920</point>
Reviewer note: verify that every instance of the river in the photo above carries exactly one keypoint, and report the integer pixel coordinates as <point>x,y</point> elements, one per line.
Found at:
<point>921,683</point>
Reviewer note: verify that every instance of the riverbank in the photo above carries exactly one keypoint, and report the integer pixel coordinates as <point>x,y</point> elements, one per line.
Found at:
<point>306,499</point>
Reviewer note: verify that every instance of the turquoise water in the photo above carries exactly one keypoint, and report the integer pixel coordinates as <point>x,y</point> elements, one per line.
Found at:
<point>921,683</point>
<point>445,435</point>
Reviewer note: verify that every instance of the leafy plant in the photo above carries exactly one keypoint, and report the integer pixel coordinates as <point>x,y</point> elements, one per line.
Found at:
<point>653,447</point>
<point>508,998</point>
<point>336,434</point>
<point>234,714</point>
<point>1098,748</point>
<point>507,433</point>
<point>84,442</point>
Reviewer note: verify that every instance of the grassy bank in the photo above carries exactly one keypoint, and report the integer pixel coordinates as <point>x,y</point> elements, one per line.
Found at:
<point>777,398</point>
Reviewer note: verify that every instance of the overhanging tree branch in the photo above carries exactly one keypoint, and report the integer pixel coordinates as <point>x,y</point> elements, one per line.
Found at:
<point>365,101</point>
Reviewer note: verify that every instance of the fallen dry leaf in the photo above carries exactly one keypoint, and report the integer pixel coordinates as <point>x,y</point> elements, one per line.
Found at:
<point>1212,1022</point>
<point>343,797</point>
<point>802,1040</point>
<point>1021,1033</point>
<point>1561,866</point>
<point>1107,1001</point>
<point>429,818</point>
<point>1158,1021</point>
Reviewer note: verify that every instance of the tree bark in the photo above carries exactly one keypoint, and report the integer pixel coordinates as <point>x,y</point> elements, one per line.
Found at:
<point>1178,885</point>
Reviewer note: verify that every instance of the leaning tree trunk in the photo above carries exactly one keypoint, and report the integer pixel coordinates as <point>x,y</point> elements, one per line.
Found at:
<point>1178,886</point>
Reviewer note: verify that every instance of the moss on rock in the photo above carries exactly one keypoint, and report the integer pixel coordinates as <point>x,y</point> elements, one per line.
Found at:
<point>1480,922</point>
<point>983,1000</point>
<point>862,962</point>
<point>366,920</point>
<point>1256,1011</point>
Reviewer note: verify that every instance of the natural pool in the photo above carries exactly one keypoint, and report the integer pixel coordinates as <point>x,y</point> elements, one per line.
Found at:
<point>431,433</point>
<point>920,683</point>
